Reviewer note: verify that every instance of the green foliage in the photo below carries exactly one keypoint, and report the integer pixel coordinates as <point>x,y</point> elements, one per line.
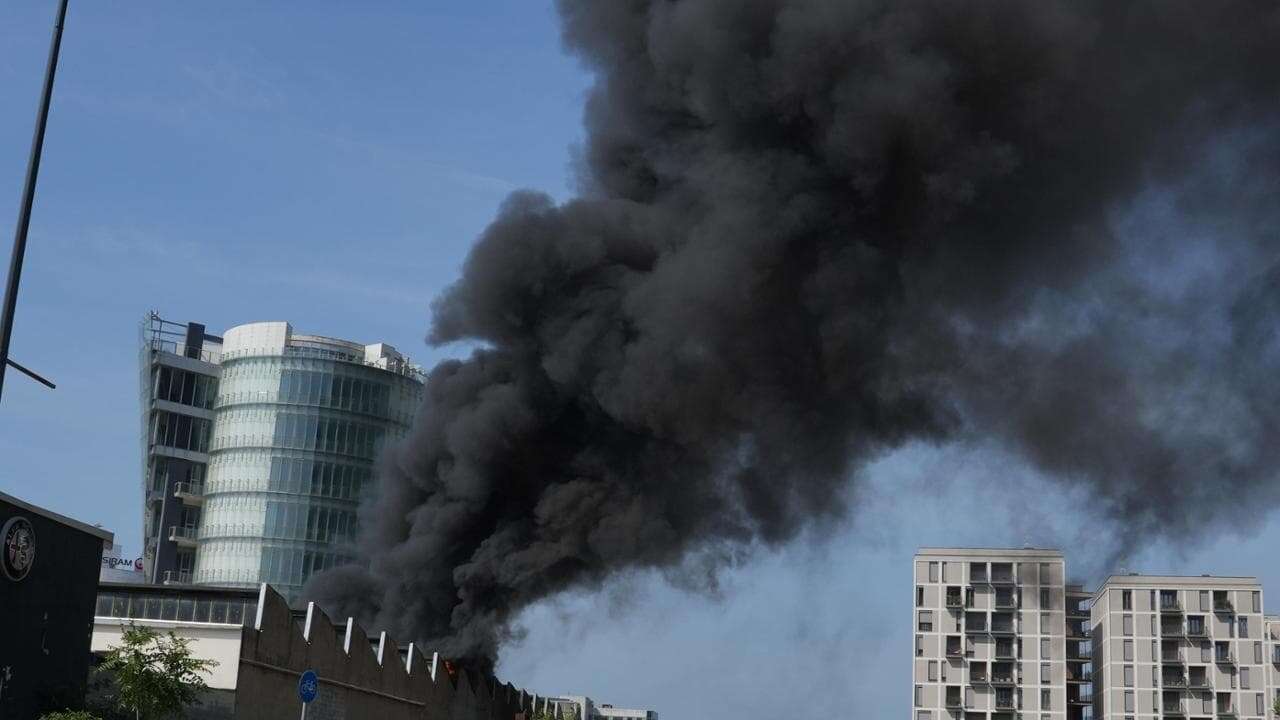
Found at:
<point>69,715</point>
<point>1275,707</point>
<point>154,675</point>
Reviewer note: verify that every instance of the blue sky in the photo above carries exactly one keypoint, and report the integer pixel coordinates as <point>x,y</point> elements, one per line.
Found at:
<point>195,150</point>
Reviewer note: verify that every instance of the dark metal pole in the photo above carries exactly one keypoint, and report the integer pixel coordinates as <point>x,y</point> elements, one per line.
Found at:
<point>28,195</point>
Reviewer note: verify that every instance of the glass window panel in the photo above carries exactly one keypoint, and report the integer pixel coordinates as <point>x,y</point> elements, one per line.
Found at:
<point>186,609</point>
<point>104,604</point>
<point>169,608</point>
<point>218,611</point>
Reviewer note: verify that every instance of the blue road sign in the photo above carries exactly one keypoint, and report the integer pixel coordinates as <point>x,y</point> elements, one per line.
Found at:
<point>308,684</point>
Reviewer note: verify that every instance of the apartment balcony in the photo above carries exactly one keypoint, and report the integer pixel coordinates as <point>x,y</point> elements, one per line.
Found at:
<point>955,601</point>
<point>154,496</point>
<point>953,700</point>
<point>189,493</point>
<point>1170,605</point>
<point>1075,633</point>
<point>177,577</point>
<point>1008,602</point>
<point>1002,624</point>
<point>1004,703</point>
<point>1173,681</point>
<point>977,577</point>
<point>955,648</point>
<point>184,536</point>
<point>1002,577</point>
<point>979,678</point>
<point>1077,653</point>
<point>1004,680</point>
<point>1004,652</point>
<point>1197,631</point>
<point>1223,606</point>
<point>1172,708</point>
<point>1171,658</point>
<point>1198,681</point>
<point>1224,659</point>
<point>1079,676</point>
<point>1227,711</point>
<point>1172,631</point>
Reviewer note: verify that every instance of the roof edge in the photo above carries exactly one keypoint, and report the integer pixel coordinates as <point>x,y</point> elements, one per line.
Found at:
<point>104,535</point>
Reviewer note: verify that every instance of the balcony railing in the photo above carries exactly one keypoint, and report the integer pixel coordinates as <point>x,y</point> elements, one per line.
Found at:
<point>177,577</point>
<point>1196,630</point>
<point>1198,681</point>
<point>182,533</point>
<point>1171,631</point>
<point>1002,679</point>
<point>1006,602</point>
<point>1171,657</point>
<point>1223,606</point>
<point>1004,703</point>
<point>1224,659</point>
<point>1001,578</point>
<point>1083,676</point>
<point>1171,708</point>
<point>1177,681</point>
<point>955,652</point>
<point>953,701</point>
<point>955,601</point>
<point>1170,604</point>
<point>1004,651</point>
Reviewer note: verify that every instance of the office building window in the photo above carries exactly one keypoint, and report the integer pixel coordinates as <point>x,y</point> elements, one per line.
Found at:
<point>926,621</point>
<point>933,670</point>
<point>1044,648</point>
<point>1045,577</point>
<point>1128,676</point>
<point>1154,633</point>
<point>923,715</point>
<point>1044,699</point>
<point>1045,602</point>
<point>933,572</point>
<point>1204,601</point>
<point>919,695</point>
<point>1257,601</point>
<point>1127,624</point>
<point>1244,678</point>
<point>1244,627</point>
<point>1260,704</point>
<point>1257,653</point>
<point>1044,624</point>
<point>919,596</point>
<point>1126,599</point>
<point>1044,673</point>
<point>1128,701</point>
<point>919,646</point>
<point>1128,650</point>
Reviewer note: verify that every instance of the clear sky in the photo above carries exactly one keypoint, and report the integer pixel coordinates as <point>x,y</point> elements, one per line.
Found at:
<point>196,148</point>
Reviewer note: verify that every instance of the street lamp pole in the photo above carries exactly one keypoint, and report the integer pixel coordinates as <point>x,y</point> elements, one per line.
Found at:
<point>28,197</point>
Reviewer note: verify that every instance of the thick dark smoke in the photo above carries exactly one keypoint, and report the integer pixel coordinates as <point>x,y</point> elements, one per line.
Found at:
<point>812,230</point>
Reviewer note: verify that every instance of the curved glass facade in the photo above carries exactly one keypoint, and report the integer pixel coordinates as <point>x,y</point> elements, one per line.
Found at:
<point>295,435</point>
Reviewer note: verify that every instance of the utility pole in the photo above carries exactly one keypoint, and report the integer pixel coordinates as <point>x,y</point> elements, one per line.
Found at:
<point>24,210</point>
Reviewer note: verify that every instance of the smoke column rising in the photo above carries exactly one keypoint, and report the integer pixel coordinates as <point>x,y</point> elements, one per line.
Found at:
<point>809,231</point>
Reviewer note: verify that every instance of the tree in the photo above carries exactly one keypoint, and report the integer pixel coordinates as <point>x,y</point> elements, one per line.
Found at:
<point>154,675</point>
<point>69,715</point>
<point>1275,707</point>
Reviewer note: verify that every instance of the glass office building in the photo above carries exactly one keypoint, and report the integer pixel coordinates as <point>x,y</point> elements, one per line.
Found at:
<point>299,422</point>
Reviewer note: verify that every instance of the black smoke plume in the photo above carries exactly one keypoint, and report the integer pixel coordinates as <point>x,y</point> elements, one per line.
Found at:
<point>812,230</point>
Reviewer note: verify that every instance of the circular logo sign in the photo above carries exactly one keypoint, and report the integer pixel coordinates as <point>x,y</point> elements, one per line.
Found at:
<point>17,548</point>
<point>308,684</point>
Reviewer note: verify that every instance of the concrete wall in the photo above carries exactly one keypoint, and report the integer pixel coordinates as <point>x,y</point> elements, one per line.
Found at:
<point>217,642</point>
<point>354,684</point>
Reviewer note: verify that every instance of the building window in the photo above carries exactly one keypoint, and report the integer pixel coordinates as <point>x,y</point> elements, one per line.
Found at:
<point>1154,633</point>
<point>1257,601</point>
<point>1127,624</point>
<point>1044,673</point>
<point>933,671</point>
<point>926,621</point>
<point>933,572</point>
<point>919,646</point>
<point>919,596</point>
<point>1204,601</point>
<point>1044,648</point>
<point>1044,699</point>
<point>1045,602</point>
<point>1244,627</point>
<point>1126,599</point>
<point>1128,650</point>
<point>1257,653</point>
<point>1128,701</point>
<point>1128,676</point>
<point>1244,678</point>
<point>923,715</point>
<point>1260,705</point>
<point>1044,623</point>
<point>918,696</point>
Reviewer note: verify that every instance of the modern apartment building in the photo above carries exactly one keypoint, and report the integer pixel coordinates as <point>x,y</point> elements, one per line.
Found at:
<point>254,474</point>
<point>1192,647</point>
<point>179,366</point>
<point>998,634</point>
<point>991,634</point>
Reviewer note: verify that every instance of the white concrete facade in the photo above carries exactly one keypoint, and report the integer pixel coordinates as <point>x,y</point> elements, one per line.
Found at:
<point>989,634</point>
<point>1180,647</point>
